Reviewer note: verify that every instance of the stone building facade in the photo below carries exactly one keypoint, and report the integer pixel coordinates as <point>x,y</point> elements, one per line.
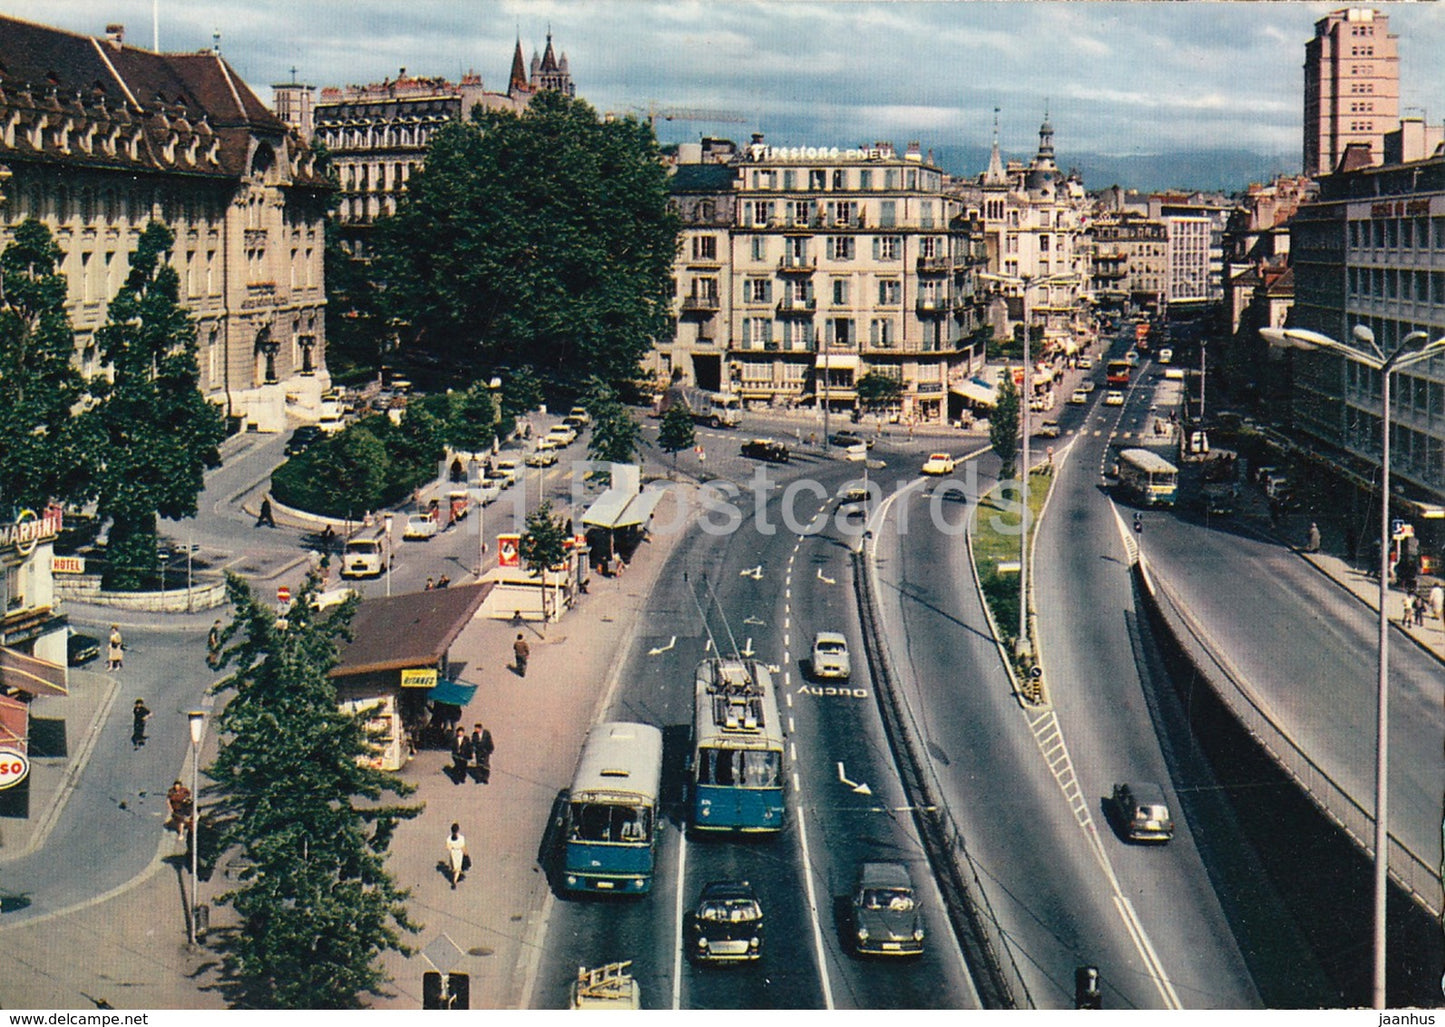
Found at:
<point>1351,87</point>
<point>101,138</point>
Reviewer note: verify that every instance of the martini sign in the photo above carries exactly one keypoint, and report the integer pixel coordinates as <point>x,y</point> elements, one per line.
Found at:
<point>29,529</point>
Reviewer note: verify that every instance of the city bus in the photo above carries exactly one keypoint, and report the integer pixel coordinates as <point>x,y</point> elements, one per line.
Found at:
<point>737,759</point>
<point>610,825</point>
<point>1141,337</point>
<point>1117,372</point>
<point>1147,478</point>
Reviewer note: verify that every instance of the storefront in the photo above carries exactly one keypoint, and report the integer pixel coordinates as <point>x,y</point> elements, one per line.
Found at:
<point>396,668</point>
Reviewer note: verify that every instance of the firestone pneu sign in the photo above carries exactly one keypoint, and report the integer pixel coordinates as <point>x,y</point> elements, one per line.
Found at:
<point>29,529</point>
<point>14,768</point>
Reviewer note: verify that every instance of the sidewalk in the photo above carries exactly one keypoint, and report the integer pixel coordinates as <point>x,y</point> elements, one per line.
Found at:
<point>129,950</point>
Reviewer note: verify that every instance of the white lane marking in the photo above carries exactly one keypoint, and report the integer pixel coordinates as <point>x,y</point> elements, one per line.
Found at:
<point>663,649</point>
<point>1151,958</point>
<point>789,698</point>
<point>859,787</point>
<point>813,913</point>
<point>796,784</point>
<point>826,581</point>
<point>787,642</point>
<point>677,914</point>
<point>791,728</point>
<point>792,752</point>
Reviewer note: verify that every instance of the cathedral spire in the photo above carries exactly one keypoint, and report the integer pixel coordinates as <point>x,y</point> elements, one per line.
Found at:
<point>517,83</point>
<point>994,175</point>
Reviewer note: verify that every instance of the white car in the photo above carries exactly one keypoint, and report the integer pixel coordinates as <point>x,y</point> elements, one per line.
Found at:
<point>420,527</point>
<point>1086,363</point>
<point>581,414</point>
<point>485,491</point>
<point>1132,358</point>
<point>1088,385</point>
<point>938,463</point>
<point>1166,356</point>
<point>1113,398</point>
<point>544,457</point>
<point>830,656</point>
<point>564,432</point>
<point>1079,397</point>
<point>550,443</point>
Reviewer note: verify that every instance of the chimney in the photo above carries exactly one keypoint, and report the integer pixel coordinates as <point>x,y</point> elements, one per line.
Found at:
<point>115,33</point>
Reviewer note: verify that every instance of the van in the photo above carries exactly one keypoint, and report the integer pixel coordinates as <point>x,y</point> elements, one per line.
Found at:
<point>362,558</point>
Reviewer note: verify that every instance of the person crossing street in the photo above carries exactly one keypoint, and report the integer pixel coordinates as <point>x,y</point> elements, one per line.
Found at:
<point>521,651</point>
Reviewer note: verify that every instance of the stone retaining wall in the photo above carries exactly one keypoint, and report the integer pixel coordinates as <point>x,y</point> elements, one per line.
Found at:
<point>85,588</point>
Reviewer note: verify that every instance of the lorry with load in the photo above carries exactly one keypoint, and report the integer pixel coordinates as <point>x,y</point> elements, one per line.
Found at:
<point>715,409</point>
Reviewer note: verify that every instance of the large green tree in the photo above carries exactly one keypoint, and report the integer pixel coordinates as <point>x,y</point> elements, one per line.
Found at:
<point>541,238</point>
<point>676,432</point>
<point>616,434</point>
<point>305,808</point>
<point>541,545</point>
<point>45,450</point>
<point>1003,426</point>
<point>876,391</point>
<point>471,422</point>
<point>156,431</point>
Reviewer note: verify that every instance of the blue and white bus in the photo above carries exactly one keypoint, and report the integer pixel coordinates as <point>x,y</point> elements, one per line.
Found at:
<point>737,764</point>
<point>610,830</point>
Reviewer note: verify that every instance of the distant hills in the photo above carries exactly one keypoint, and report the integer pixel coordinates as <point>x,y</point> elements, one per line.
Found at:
<point>1203,170</point>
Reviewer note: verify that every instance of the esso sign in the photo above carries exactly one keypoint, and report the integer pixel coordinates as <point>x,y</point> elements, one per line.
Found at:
<point>14,768</point>
<point>283,594</point>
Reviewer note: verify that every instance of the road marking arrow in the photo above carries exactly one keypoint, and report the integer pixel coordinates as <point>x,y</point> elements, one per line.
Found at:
<point>753,621</point>
<point>773,668</point>
<point>826,581</point>
<point>756,573</point>
<point>748,648</point>
<point>655,652</point>
<point>859,789</point>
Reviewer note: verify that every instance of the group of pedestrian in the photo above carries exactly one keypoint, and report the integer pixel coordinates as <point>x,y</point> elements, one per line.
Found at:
<point>472,755</point>
<point>1416,606</point>
<point>432,584</point>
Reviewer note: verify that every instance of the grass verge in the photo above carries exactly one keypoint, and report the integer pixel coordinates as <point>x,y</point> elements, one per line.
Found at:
<point>996,541</point>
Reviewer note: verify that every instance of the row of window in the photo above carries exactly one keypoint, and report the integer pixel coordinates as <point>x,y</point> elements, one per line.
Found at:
<point>379,136</point>
<point>760,290</point>
<point>836,247</point>
<point>373,176</point>
<point>844,179</point>
<point>833,214</point>
<point>765,333</point>
<point>1422,233</point>
<point>1390,283</point>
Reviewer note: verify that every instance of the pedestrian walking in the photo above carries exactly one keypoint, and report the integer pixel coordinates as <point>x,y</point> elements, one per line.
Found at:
<point>181,806</point>
<point>461,755</point>
<point>482,749</point>
<point>115,655</point>
<point>139,715</point>
<point>1437,601</point>
<point>521,651</point>
<point>1407,609</point>
<point>430,584</point>
<point>1419,611</point>
<point>1312,543</point>
<point>443,581</point>
<point>458,862</point>
<point>213,646</point>
<point>265,516</point>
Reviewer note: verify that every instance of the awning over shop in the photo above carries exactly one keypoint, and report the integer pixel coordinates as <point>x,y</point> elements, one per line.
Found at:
<point>838,361</point>
<point>453,692</point>
<point>975,392</point>
<point>29,674</point>
<point>14,723</point>
<point>622,508</point>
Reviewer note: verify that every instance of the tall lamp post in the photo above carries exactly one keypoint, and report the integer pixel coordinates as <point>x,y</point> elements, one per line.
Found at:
<point>387,521</point>
<point>1378,360</point>
<point>1024,282</point>
<point>197,722</point>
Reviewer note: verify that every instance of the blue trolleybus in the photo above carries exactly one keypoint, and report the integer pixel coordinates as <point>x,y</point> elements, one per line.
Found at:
<point>611,824</point>
<point>1147,478</point>
<point>737,768</point>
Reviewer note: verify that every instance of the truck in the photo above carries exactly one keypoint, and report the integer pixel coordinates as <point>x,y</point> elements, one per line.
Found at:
<point>715,409</point>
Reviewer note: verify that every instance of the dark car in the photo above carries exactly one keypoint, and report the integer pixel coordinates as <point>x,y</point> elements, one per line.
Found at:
<point>81,649</point>
<point>1143,812</point>
<point>302,438</point>
<point>885,916</point>
<point>726,925</point>
<point>849,438</point>
<point>766,449</point>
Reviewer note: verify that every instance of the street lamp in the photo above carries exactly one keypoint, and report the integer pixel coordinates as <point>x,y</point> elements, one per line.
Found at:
<point>1386,364</point>
<point>197,722</point>
<point>387,521</point>
<point>1024,282</point>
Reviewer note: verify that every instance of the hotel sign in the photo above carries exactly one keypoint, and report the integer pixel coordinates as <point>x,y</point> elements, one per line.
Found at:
<point>29,529</point>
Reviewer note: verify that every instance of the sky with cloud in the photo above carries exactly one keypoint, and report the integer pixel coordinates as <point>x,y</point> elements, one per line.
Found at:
<point>1116,78</point>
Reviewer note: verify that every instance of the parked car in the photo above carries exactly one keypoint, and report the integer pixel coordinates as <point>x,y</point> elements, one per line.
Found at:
<point>726,924</point>
<point>331,425</point>
<point>1113,398</point>
<point>1132,358</point>
<point>564,432</point>
<point>487,490</point>
<point>362,558</point>
<point>580,414</point>
<point>938,463</point>
<point>1048,430</point>
<point>885,918</point>
<point>81,649</point>
<point>548,443</point>
<point>459,504</point>
<point>1088,385</point>
<point>1086,363</point>
<point>544,457</point>
<point>303,438</point>
<point>849,438</point>
<point>766,449</point>
<point>420,527</point>
<point>575,423</point>
<point>1143,812</point>
<point>830,656</point>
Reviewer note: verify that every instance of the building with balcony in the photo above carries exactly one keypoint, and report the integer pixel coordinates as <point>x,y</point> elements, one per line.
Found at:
<point>701,194</point>
<point>1370,250</point>
<point>102,137</point>
<point>1131,261</point>
<point>378,134</point>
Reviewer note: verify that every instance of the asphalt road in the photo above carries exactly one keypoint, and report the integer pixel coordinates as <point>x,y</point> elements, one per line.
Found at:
<point>798,585</point>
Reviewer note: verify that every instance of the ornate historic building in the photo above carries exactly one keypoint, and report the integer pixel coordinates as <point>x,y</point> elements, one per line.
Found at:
<point>101,138</point>
<point>378,134</point>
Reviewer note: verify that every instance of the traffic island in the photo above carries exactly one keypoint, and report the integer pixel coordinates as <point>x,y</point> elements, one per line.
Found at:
<point>994,544</point>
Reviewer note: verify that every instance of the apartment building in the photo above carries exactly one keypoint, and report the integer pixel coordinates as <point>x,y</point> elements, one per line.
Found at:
<point>1130,261</point>
<point>846,262</point>
<point>1370,250</point>
<point>101,137</point>
<point>1351,87</point>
